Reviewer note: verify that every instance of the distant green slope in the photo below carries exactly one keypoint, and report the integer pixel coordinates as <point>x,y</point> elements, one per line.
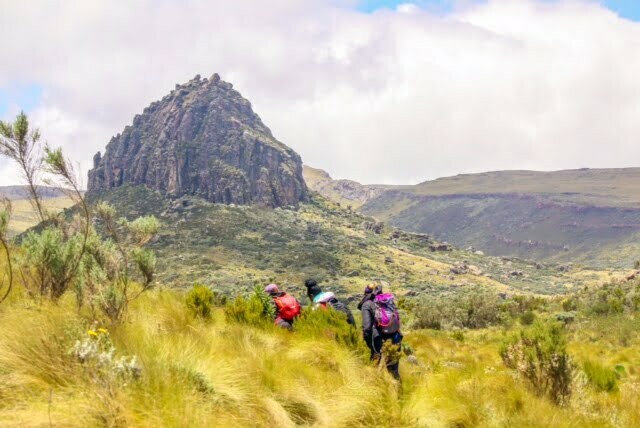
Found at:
<point>599,187</point>
<point>23,214</point>
<point>590,216</point>
<point>231,247</point>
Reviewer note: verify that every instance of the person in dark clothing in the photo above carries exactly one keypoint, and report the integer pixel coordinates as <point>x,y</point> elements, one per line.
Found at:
<point>286,306</point>
<point>341,307</point>
<point>372,334</point>
<point>328,299</point>
<point>313,289</point>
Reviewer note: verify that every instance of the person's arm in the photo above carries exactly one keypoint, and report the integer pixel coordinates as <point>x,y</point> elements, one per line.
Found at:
<point>350,318</point>
<point>368,320</point>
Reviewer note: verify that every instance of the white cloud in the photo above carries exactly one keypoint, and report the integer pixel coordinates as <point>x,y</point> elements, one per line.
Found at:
<point>386,97</point>
<point>407,8</point>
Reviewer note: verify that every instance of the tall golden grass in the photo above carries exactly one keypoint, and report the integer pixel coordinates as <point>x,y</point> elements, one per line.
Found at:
<point>219,373</point>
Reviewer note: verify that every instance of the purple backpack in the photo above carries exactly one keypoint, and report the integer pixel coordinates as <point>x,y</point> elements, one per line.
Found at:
<point>387,317</point>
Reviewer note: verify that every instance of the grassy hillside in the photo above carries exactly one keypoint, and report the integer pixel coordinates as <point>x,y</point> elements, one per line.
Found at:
<point>585,216</point>
<point>163,367</point>
<point>23,214</point>
<point>597,187</point>
<point>234,247</point>
<point>466,318</point>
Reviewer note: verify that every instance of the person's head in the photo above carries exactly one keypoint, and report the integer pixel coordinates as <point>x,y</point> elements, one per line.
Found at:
<point>373,289</point>
<point>313,289</point>
<point>271,289</point>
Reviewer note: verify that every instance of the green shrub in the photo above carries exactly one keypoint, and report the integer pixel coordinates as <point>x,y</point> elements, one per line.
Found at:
<point>600,377</point>
<point>612,299</point>
<point>330,324</point>
<point>570,304</point>
<point>255,310</point>
<point>428,315</point>
<point>47,261</point>
<point>458,335</point>
<point>470,310</point>
<point>200,300</point>
<point>528,303</point>
<point>527,318</point>
<point>565,317</point>
<point>539,354</point>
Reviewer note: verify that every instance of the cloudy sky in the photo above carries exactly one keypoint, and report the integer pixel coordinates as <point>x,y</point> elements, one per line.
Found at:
<point>379,91</point>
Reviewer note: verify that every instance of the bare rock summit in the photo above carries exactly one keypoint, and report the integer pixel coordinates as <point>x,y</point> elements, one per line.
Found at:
<point>202,139</point>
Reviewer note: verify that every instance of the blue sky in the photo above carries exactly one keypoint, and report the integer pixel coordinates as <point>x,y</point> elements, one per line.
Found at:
<point>433,5</point>
<point>629,9</point>
<point>23,96</point>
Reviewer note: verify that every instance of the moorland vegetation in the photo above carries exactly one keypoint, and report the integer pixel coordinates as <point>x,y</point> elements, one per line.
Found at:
<point>91,337</point>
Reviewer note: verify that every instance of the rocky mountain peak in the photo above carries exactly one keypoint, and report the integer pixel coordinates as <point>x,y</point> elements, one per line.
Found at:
<point>202,139</point>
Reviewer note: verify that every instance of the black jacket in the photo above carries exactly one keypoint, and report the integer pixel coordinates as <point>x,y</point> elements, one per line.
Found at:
<point>369,330</point>
<point>313,291</point>
<point>339,306</point>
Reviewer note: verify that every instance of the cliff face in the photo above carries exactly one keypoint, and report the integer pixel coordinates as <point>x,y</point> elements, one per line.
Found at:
<point>347,192</point>
<point>202,139</point>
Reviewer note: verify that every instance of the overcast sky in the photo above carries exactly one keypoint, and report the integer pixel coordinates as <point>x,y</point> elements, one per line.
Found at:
<point>377,91</point>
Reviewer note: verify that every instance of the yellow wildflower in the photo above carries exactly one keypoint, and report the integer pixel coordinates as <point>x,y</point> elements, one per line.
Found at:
<point>92,333</point>
<point>103,331</point>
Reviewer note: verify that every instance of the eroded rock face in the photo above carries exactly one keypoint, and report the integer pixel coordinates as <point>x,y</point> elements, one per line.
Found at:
<point>202,139</point>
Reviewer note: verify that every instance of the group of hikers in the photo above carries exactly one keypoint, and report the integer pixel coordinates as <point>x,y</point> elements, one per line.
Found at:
<point>380,318</point>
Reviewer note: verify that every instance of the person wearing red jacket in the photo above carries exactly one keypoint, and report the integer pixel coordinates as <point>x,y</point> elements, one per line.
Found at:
<point>287,307</point>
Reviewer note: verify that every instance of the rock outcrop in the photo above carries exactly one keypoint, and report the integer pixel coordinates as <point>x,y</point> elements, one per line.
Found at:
<point>202,139</point>
<point>346,192</point>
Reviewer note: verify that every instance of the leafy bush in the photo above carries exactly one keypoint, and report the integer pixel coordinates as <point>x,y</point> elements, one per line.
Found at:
<point>458,335</point>
<point>565,317</point>
<point>539,354</point>
<point>59,251</point>
<point>200,300</point>
<point>570,304</point>
<point>611,299</point>
<point>47,261</point>
<point>112,265</point>
<point>600,377</point>
<point>255,310</point>
<point>528,303</point>
<point>471,310</point>
<point>527,318</point>
<point>389,354</point>
<point>328,323</point>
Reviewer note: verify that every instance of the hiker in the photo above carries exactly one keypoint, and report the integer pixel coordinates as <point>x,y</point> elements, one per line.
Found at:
<point>328,299</point>
<point>380,323</point>
<point>286,306</point>
<point>313,289</point>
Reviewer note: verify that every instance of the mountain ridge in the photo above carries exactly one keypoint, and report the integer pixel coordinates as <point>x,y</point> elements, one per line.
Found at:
<point>590,216</point>
<point>202,139</point>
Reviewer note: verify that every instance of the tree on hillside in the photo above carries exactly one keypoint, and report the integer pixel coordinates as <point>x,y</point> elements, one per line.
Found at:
<point>66,252</point>
<point>53,256</point>
<point>22,145</point>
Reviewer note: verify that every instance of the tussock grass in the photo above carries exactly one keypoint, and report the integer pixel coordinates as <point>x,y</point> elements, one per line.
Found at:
<point>216,372</point>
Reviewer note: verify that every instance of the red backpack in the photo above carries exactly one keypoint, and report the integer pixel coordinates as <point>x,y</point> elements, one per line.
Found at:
<point>288,307</point>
